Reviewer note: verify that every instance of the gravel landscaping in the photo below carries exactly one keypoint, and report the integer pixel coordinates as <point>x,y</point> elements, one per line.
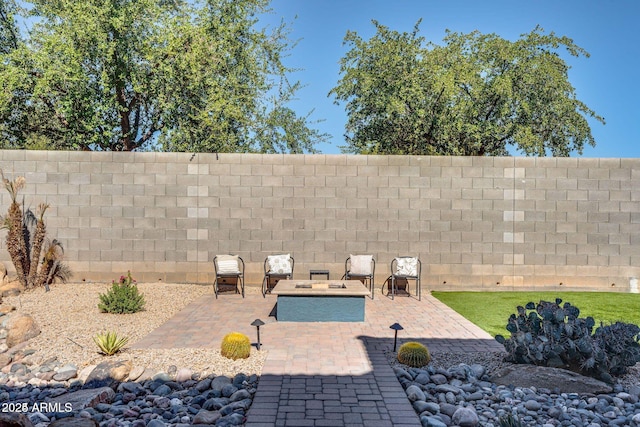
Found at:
<point>69,317</point>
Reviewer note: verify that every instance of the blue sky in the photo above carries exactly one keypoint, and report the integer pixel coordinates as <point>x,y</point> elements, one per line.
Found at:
<point>607,81</point>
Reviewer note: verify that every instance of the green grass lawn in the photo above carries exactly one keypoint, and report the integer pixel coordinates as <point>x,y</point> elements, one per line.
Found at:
<point>491,310</point>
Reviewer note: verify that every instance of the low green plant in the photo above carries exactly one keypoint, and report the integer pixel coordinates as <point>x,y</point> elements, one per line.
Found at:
<point>548,334</point>
<point>510,421</point>
<point>235,346</point>
<point>123,297</point>
<point>110,343</point>
<point>414,354</point>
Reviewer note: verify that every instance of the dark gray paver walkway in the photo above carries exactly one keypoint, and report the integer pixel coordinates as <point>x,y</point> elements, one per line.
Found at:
<point>326,373</point>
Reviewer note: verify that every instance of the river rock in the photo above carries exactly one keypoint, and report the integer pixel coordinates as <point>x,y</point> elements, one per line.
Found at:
<point>415,393</point>
<point>206,417</point>
<point>183,374</point>
<point>5,359</point>
<point>136,373</point>
<point>66,373</point>
<point>465,417</point>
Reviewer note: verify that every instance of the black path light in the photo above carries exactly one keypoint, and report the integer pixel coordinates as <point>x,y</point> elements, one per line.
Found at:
<point>396,327</point>
<point>257,323</point>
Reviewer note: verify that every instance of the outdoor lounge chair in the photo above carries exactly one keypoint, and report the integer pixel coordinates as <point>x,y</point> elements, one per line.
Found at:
<point>361,267</point>
<point>276,267</point>
<point>229,274</point>
<point>404,269</point>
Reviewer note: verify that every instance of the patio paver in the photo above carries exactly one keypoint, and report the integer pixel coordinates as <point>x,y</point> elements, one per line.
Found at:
<point>325,373</point>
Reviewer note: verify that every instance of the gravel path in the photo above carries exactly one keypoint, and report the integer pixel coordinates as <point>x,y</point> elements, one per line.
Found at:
<point>69,317</point>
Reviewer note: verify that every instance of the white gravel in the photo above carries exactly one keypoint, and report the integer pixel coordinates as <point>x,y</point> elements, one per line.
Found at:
<point>69,317</point>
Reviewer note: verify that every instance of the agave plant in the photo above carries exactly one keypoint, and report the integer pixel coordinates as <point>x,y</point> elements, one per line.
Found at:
<point>110,343</point>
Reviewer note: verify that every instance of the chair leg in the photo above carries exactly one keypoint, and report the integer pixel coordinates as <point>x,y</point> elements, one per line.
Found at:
<point>373,286</point>
<point>393,288</point>
<point>242,286</point>
<point>264,287</point>
<point>215,287</point>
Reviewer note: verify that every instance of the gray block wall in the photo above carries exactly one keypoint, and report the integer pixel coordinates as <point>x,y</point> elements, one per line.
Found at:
<point>475,222</point>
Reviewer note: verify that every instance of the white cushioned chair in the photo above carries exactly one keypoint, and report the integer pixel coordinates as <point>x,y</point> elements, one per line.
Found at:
<point>229,273</point>
<point>361,267</point>
<point>403,269</point>
<point>276,268</point>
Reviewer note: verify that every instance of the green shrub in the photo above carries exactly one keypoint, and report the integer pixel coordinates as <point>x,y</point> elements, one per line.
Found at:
<point>547,334</point>
<point>110,343</point>
<point>123,297</point>
<point>235,346</point>
<point>414,354</point>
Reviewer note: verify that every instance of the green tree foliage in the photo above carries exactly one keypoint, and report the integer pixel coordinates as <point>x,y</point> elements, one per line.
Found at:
<point>127,75</point>
<point>476,94</point>
<point>9,35</point>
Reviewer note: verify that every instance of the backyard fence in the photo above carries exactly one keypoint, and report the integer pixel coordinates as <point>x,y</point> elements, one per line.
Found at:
<point>475,222</point>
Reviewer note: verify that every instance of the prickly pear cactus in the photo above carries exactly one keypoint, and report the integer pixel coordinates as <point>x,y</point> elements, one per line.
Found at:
<point>548,334</point>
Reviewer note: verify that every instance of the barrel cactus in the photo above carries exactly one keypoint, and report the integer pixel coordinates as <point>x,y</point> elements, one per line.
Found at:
<point>414,354</point>
<point>236,346</point>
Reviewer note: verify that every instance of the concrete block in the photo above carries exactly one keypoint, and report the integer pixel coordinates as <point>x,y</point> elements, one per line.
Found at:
<point>336,159</point>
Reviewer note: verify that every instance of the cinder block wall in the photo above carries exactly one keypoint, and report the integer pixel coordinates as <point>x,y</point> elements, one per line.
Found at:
<point>475,222</point>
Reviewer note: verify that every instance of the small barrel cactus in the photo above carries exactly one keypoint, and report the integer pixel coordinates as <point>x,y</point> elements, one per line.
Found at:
<point>236,346</point>
<point>414,354</point>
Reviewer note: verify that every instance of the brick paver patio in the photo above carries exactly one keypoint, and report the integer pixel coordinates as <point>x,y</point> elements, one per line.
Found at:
<point>328,373</point>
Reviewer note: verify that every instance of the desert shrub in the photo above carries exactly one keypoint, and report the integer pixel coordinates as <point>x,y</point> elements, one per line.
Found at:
<point>235,346</point>
<point>414,354</point>
<point>548,334</point>
<point>37,260</point>
<point>123,297</point>
<point>110,343</point>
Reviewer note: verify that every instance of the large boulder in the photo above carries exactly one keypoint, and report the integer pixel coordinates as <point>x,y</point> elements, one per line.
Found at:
<point>82,399</point>
<point>556,379</point>
<point>13,419</point>
<point>74,422</point>
<point>10,287</point>
<point>108,374</point>
<point>21,328</point>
